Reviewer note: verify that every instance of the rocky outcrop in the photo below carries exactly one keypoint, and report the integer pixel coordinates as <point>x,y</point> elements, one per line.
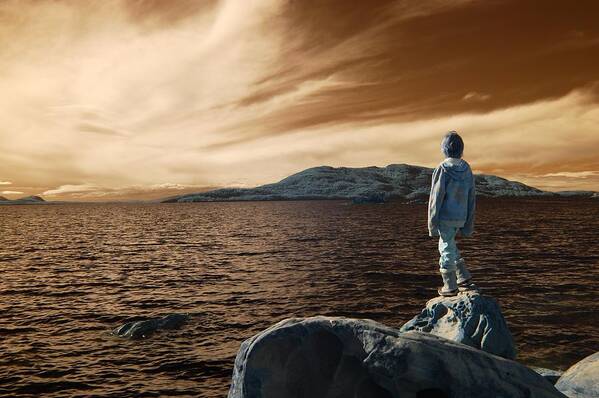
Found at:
<point>362,184</point>
<point>143,329</point>
<point>468,318</point>
<point>3,199</point>
<point>340,357</point>
<point>582,379</point>
<point>549,374</point>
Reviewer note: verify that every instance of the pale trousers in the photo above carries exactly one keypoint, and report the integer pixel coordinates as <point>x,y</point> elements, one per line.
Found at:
<point>448,249</point>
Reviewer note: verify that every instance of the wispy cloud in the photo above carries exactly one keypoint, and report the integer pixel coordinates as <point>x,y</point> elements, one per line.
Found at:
<point>94,192</point>
<point>203,93</point>
<point>5,183</point>
<point>72,189</point>
<point>99,129</point>
<point>560,183</point>
<point>474,96</point>
<point>11,192</point>
<point>573,174</point>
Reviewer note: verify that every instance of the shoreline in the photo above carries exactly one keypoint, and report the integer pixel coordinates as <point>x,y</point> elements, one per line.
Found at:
<point>405,201</point>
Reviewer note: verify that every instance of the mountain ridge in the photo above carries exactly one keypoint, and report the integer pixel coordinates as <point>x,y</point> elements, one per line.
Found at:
<point>362,184</point>
<point>27,200</point>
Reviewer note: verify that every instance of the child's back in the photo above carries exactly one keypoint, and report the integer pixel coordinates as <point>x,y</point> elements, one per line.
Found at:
<point>452,197</point>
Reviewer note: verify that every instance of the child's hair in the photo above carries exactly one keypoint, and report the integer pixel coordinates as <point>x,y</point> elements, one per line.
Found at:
<point>452,145</point>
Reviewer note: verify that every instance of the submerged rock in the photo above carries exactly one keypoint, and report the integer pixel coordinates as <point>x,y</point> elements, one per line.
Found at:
<point>339,357</point>
<point>468,318</point>
<point>582,379</point>
<point>549,374</point>
<point>143,329</point>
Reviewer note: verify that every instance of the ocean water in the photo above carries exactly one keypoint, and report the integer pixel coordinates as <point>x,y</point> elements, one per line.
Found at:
<point>69,274</point>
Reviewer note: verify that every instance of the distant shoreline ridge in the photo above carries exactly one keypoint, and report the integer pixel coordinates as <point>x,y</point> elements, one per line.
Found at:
<point>370,184</point>
<point>365,185</point>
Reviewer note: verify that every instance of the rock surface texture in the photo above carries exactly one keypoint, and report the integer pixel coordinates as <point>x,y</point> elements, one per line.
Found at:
<point>143,329</point>
<point>468,318</point>
<point>394,181</point>
<point>582,379</point>
<point>324,357</point>
<point>549,374</point>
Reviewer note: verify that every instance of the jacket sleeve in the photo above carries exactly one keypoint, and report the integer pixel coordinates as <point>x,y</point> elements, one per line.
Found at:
<point>468,227</point>
<point>435,201</point>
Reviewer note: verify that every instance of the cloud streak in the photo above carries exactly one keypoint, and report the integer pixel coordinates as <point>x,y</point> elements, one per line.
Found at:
<point>92,192</point>
<point>573,174</point>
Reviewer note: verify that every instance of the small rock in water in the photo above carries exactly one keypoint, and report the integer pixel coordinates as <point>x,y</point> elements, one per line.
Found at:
<point>341,357</point>
<point>468,318</point>
<point>582,379</point>
<point>143,329</point>
<point>549,374</point>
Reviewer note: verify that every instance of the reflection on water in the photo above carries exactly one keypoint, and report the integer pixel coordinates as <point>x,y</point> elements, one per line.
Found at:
<point>70,273</point>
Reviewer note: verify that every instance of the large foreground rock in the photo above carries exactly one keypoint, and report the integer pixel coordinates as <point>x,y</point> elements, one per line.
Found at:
<point>582,379</point>
<point>468,318</point>
<point>324,357</point>
<point>143,329</point>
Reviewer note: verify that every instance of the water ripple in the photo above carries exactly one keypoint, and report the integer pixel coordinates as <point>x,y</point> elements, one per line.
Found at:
<point>71,273</point>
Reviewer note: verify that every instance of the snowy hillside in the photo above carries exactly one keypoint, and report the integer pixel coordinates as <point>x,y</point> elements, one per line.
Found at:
<point>324,182</point>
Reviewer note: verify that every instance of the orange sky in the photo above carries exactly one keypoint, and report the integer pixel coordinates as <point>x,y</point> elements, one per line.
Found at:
<point>143,99</point>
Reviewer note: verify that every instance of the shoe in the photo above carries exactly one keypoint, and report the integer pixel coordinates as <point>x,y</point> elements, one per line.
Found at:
<point>450,286</point>
<point>462,273</point>
<point>450,293</point>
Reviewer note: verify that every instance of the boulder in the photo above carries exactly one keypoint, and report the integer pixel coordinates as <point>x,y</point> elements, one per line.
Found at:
<point>549,374</point>
<point>468,318</point>
<point>582,379</point>
<point>326,357</point>
<point>143,329</point>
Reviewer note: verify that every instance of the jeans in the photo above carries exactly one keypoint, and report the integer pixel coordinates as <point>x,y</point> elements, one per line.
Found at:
<point>450,254</point>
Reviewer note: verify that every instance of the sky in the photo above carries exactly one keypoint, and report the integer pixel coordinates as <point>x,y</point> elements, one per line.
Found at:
<point>140,99</point>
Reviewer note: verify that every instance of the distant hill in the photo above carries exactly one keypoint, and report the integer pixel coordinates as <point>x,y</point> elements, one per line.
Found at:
<point>364,184</point>
<point>23,201</point>
<point>32,199</point>
<point>579,194</point>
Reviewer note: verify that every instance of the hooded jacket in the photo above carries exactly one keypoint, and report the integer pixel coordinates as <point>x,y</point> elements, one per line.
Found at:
<point>452,199</point>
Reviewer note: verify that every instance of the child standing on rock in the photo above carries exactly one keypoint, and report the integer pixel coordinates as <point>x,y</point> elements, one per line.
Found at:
<point>451,212</point>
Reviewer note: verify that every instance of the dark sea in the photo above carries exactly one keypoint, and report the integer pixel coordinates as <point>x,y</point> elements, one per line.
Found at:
<point>70,274</point>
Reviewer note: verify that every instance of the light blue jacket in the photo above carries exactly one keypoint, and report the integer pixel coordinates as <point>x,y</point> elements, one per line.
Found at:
<point>453,197</point>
